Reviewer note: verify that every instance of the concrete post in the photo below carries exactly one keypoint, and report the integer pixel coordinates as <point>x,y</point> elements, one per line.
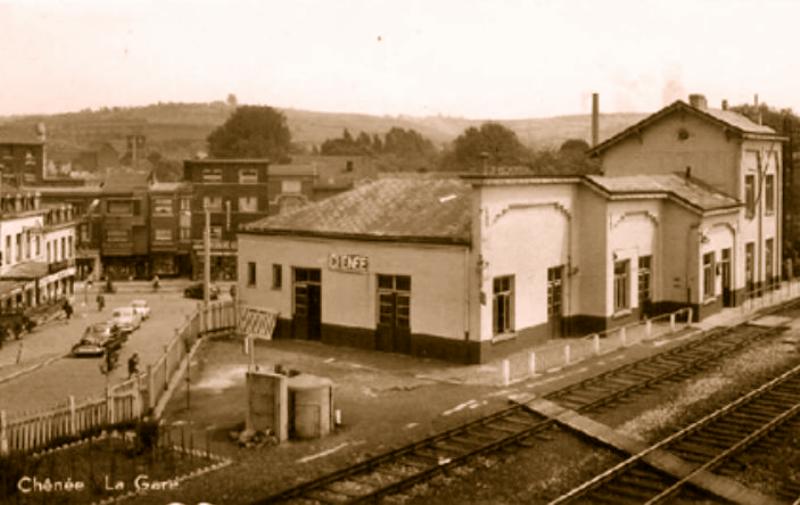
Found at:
<point>3,433</point>
<point>73,422</point>
<point>567,354</point>
<point>596,342</point>
<point>623,336</point>
<point>532,362</point>
<point>506,371</point>
<point>672,322</point>
<point>648,328</point>
<point>690,316</point>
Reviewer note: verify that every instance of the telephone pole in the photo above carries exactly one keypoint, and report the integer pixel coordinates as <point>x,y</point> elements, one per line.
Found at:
<point>207,259</point>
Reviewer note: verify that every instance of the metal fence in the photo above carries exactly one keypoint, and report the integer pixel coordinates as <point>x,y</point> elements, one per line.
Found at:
<point>125,401</point>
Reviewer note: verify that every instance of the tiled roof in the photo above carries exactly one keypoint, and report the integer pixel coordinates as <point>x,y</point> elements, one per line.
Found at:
<point>723,118</point>
<point>393,208</point>
<point>687,189</point>
<point>739,121</point>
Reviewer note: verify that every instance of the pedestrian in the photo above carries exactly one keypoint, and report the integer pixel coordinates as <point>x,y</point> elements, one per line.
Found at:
<point>155,283</point>
<point>67,309</point>
<point>133,365</point>
<point>101,302</point>
<point>17,328</point>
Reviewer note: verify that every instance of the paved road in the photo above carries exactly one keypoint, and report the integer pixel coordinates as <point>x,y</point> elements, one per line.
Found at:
<point>81,377</point>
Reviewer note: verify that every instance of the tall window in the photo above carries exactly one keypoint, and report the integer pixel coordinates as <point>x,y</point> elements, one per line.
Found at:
<point>621,285</point>
<point>212,202</point>
<point>251,273</point>
<point>769,253</point>
<point>709,276</point>
<point>27,245</point>
<point>8,250</point>
<point>750,195</point>
<point>70,247</point>
<point>277,276</point>
<point>503,304</point>
<point>49,257</point>
<point>38,245</point>
<point>248,204</point>
<point>769,193</point>
<point>749,265</point>
<point>18,254</point>
<point>186,204</point>
<point>645,273</point>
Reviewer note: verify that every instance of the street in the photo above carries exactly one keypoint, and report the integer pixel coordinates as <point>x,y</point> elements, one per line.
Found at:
<point>81,377</point>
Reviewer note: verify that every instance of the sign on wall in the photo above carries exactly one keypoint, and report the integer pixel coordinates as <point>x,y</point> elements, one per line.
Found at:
<point>352,263</point>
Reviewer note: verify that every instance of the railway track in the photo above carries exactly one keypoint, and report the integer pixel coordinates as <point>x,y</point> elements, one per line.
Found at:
<point>706,444</point>
<point>418,462</point>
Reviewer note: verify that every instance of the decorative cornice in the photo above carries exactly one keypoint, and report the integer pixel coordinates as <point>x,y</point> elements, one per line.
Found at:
<point>646,213</point>
<point>532,205</point>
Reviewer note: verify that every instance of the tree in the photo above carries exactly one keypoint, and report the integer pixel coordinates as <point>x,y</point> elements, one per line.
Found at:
<point>574,147</point>
<point>492,143</point>
<point>252,132</point>
<point>231,100</point>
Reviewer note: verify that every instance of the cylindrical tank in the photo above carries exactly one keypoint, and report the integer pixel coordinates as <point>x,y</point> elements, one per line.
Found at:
<point>310,405</point>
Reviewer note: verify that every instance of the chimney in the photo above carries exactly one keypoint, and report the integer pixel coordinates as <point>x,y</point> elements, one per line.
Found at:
<point>595,118</point>
<point>698,101</point>
<point>41,132</point>
<point>758,108</point>
<point>724,105</point>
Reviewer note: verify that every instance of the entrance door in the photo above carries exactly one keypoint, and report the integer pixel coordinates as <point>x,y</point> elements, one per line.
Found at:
<point>725,271</point>
<point>555,300</point>
<point>394,310</point>
<point>307,317</point>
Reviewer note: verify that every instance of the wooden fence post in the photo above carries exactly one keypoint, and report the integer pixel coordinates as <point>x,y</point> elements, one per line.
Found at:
<point>166,367</point>
<point>109,406</point>
<point>73,422</point>
<point>151,388</point>
<point>137,397</point>
<point>3,433</point>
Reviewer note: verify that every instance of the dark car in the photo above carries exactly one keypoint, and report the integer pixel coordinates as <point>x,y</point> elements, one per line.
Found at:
<point>98,338</point>
<point>196,291</point>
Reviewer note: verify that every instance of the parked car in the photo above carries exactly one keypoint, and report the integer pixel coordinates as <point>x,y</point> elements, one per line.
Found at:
<point>196,291</point>
<point>126,318</point>
<point>98,338</point>
<point>142,308</point>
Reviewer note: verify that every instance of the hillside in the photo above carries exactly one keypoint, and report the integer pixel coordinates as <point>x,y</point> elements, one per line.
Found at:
<point>178,130</point>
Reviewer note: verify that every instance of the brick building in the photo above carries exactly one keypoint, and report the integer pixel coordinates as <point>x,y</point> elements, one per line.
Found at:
<point>235,191</point>
<point>170,228</point>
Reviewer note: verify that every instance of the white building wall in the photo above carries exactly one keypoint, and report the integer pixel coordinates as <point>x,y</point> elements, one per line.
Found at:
<point>525,229</point>
<point>438,280</point>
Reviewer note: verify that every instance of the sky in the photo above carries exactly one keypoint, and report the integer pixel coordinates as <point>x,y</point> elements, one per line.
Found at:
<point>497,59</point>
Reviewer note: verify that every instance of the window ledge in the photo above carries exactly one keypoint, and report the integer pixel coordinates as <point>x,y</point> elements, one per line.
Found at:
<point>621,313</point>
<point>709,300</point>
<point>503,337</point>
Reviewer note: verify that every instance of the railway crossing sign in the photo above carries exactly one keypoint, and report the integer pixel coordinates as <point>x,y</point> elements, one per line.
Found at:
<point>257,322</point>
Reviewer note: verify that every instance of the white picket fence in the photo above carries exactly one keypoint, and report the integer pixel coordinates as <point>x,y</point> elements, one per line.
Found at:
<point>522,365</point>
<point>123,402</point>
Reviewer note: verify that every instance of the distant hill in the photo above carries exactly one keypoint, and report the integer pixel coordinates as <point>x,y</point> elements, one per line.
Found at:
<point>179,130</point>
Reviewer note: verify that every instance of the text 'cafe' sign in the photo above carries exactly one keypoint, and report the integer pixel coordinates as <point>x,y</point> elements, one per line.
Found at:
<point>353,263</point>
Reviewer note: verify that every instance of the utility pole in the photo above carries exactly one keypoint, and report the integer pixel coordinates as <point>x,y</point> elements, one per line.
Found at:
<point>207,259</point>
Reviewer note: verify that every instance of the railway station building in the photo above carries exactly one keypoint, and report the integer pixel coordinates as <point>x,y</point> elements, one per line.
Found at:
<point>474,267</point>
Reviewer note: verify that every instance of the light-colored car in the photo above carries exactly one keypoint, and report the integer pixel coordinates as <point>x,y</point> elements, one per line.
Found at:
<point>126,318</point>
<point>142,308</point>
